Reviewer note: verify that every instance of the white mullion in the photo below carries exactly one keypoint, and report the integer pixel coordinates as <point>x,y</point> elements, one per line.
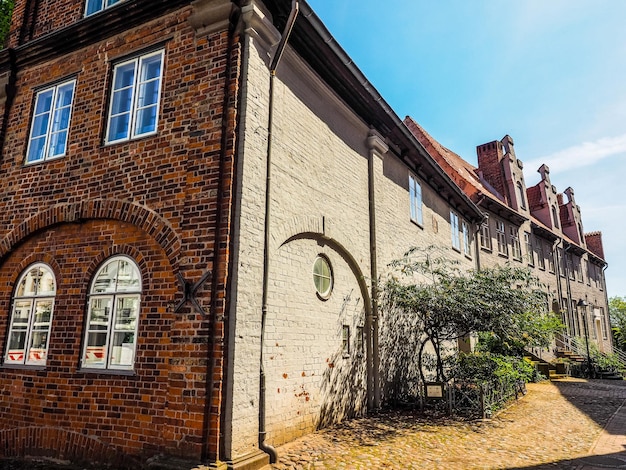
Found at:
<point>55,94</point>
<point>29,329</point>
<point>133,101</point>
<point>110,332</point>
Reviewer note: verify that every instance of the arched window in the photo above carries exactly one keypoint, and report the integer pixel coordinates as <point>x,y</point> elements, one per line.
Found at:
<point>555,216</point>
<point>31,319</point>
<point>522,199</point>
<point>111,330</point>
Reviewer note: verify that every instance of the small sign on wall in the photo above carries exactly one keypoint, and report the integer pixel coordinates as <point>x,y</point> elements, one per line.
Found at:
<point>434,390</point>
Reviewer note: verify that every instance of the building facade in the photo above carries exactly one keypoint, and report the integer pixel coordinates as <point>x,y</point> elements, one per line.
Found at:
<point>535,227</point>
<point>197,197</point>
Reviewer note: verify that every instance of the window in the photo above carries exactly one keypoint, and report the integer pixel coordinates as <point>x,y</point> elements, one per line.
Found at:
<point>516,249</point>
<point>555,217</point>
<point>51,122</point>
<point>134,107</point>
<point>112,319</point>
<point>467,240</point>
<point>551,259</point>
<point>345,340</point>
<point>579,269</point>
<point>31,319</point>
<point>561,261</point>
<point>530,254</point>
<point>541,258</point>
<point>360,339</point>
<point>503,248</point>
<point>454,228</point>
<point>322,277</point>
<point>415,195</point>
<point>485,235</point>
<point>520,192</point>
<point>569,260</point>
<point>94,6</point>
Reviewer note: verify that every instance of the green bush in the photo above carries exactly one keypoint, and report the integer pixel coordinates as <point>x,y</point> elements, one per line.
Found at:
<point>487,367</point>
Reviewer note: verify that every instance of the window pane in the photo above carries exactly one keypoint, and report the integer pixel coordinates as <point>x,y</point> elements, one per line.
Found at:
<point>99,312</point>
<point>122,101</point>
<point>93,6</point>
<point>124,76</point>
<point>36,149</point>
<point>148,93</point>
<point>38,347</point>
<point>118,128</point>
<point>28,283</point>
<point>151,68</point>
<point>146,120</point>
<point>128,278</point>
<point>127,309</point>
<point>61,120</point>
<point>44,102</point>
<point>123,349</point>
<point>95,352</point>
<point>58,142</point>
<point>40,125</point>
<point>65,93</point>
<point>43,314</point>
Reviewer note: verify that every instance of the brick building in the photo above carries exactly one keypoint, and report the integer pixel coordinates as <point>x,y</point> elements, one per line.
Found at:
<point>535,227</point>
<point>194,204</point>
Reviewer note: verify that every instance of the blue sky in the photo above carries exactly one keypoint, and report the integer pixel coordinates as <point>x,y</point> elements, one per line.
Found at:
<point>551,74</point>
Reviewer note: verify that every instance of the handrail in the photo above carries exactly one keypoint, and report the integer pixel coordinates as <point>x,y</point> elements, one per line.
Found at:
<point>574,344</point>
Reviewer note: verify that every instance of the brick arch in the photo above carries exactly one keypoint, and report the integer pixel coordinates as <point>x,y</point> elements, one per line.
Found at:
<point>345,254</point>
<point>94,209</point>
<point>63,444</point>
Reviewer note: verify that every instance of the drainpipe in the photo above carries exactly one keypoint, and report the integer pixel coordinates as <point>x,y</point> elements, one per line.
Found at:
<point>295,7</point>
<point>375,143</point>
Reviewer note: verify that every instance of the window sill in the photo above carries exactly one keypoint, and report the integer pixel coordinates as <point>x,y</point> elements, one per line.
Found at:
<point>417,224</point>
<point>118,372</point>
<point>22,367</point>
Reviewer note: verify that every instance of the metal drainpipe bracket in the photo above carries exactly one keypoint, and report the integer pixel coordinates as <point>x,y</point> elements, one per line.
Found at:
<point>189,292</point>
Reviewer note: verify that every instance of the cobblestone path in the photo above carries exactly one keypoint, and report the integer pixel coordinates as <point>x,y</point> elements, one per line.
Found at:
<point>556,425</point>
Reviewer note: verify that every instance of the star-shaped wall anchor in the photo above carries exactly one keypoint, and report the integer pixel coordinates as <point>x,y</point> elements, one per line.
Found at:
<point>189,292</point>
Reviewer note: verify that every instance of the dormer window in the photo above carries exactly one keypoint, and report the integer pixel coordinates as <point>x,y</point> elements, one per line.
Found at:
<point>94,6</point>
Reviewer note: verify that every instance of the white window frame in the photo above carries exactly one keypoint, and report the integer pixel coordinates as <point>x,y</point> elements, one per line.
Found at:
<point>111,356</point>
<point>323,277</point>
<point>415,196</point>
<point>485,235</point>
<point>516,247</point>
<point>345,340</point>
<point>135,102</point>
<point>99,5</point>
<point>34,327</point>
<point>56,125</point>
<point>467,239</point>
<point>503,247</point>
<point>454,231</point>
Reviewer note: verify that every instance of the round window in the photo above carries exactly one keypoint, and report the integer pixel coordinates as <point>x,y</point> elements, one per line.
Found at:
<point>323,277</point>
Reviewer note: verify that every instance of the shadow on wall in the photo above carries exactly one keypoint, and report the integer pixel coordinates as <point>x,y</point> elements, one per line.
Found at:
<point>399,340</point>
<point>343,388</point>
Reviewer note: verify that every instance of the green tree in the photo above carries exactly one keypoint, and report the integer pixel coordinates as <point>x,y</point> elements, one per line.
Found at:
<point>6,9</point>
<point>445,304</point>
<point>617,311</point>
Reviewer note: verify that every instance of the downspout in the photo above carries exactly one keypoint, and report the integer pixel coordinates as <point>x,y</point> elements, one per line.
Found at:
<point>295,7</point>
<point>220,224</point>
<point>568,284</point>
<point>608,311</point>
<point>9,96</point>
<point>557,270</point>
<point>371,321</point>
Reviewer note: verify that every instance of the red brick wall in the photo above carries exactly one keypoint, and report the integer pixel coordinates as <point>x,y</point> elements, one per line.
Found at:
<point>162,199</point>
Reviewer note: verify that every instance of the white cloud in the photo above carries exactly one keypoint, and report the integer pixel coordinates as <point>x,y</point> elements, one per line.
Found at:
<point>582,155</point>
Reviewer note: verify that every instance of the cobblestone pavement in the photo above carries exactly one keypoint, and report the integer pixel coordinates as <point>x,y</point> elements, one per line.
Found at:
<point>557,424</point>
